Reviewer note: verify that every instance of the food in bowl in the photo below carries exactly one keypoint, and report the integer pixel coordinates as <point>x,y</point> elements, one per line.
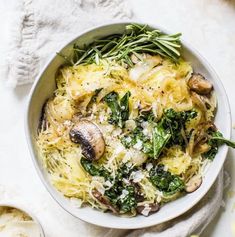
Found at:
<point>15,222</point>
<point>130,126</point>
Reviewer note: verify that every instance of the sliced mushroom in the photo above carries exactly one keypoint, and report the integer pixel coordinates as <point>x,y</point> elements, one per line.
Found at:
<point>201,134</point>
<point>207,125</point>
<point>148,209</point>
<point>139,196</point>
<point>193,184</point>
<point>198,100</point>
<point>90,137</point>
<point>198,140</point>
<point>182,131</point>
<point>199,84</point>
<point>103,200</point>
<point>43,123</point>
<point>202,148</point>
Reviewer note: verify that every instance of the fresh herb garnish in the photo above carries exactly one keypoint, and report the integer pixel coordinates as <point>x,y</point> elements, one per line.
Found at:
<point>119,47</point>
<point>120,111</point>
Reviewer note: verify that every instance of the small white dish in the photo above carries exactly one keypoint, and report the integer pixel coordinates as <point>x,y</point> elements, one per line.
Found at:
<point>43,89</point>
<point>28,213</point>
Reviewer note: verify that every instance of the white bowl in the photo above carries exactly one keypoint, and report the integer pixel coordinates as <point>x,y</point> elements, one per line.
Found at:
<point>25,210</point>
<point>43,89</point>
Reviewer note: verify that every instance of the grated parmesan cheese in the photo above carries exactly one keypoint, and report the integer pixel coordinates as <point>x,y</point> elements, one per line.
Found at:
<point>124,194</point>
<point>149,166</point>
<point>146,210</point>
<point>138,145</point>
<point>137,176</point>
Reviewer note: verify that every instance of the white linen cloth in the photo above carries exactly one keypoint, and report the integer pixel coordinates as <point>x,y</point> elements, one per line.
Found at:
<point>40,28</point>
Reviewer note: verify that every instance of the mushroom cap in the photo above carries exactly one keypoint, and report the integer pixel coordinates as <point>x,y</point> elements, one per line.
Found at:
<point>193,184</point>
<point>90,137</point>
<point>199,84</point>
<point>151,208</point>
<point>102,199</point>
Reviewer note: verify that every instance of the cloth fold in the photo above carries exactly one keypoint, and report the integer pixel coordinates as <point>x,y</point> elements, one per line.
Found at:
<point>39,29</point>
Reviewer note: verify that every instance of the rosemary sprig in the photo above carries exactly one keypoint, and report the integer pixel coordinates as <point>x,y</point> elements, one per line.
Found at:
<point>136,39</point>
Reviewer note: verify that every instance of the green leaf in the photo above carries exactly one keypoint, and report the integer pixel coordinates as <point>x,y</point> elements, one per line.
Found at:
<point>135,136</point>
<point>128,202</point>
<point>94,170</point>
<point>168,52</point>
<point>124,103</point>
<point>120,112</point>
<point>160,139</point>
<point>112,101</point>
<point>175,45</point>
<point>165,181</point>
<point>216,139</point>
<point>174,122</point>
<point>169,46</point>
<point>221,140</point>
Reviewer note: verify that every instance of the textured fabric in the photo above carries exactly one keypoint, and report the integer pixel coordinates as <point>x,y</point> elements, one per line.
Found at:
<point>40,28</point>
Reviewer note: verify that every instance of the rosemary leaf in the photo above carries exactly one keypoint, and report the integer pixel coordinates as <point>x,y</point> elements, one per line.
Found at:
<point>136,40</point>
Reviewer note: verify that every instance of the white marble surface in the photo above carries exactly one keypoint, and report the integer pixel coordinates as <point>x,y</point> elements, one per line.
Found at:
<point>209,25</point>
